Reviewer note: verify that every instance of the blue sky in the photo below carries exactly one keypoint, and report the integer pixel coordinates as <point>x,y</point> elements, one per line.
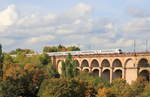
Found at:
<point>90,24</point>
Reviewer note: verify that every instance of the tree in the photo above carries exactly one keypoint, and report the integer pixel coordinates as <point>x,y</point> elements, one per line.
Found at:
<point>53,71</point>
<point>69,67</point>
<point>138,86</point>
<point>73,48</point>
<point>66,88</point>
<point>47,49</point>
<point>23,81</point>
<point>45,59</point>
<point>18,50</point>
<point>60,48</point>
<point>96,81</point>
<point>21,58</point>
<point>1,61</point>
<point>146,92</point>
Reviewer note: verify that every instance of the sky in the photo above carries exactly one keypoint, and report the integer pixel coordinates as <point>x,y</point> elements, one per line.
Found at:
<point>89,24</point>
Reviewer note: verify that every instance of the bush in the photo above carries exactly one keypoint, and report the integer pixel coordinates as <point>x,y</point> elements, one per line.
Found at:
<point>146,92</point>
<point>138,86</point>
<point>66,88</point>
<point>118,88</point>
<point>105,92</point>
<point>96,81</point>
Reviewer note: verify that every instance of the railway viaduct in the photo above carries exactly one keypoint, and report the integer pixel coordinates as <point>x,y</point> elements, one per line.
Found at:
<point>111,66</point>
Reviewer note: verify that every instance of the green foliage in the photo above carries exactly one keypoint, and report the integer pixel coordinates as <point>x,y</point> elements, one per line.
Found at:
<point>138,86</point>
<point>53,71</point>
<point>1,55</point>
<point>45,59</point>
<point>66,88</point>
<point>60,48</point>
<point>24,82</point>
<point>18,50</point>
<point>1,61</point>
<point>96,81</point>
<point>69,68</point>
<point>105,92</point>
<point>21,58</point>
<point>73,48</point>
<point>7,59</point>
<point>146,92</point>
<point>50,49</point>
<point>120,88</point>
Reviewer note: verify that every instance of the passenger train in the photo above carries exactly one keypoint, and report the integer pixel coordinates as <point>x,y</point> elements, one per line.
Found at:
<point>119,51</point>
<point>86,52</point>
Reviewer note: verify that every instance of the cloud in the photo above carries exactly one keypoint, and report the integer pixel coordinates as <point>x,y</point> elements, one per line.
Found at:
<point>36,40</point>
<point>138,28</point>
<point>73,27</point>
<point>137,12</point>
<point>8,16</point>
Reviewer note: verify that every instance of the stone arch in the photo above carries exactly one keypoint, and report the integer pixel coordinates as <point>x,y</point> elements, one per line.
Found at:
<point>84,63</point>
<point>95,72</point>
<point>105,63</point>
<point>143,63</point>
<point>78,70</point>
<point>106,75</point>
<point>77,63</point>
<point>145,75</point>
<point>59,66</point>
<point>95,63</point>
<point>86,70</point>
<point>117,74</point>
<point>129,63</point>
<point>117,63</point>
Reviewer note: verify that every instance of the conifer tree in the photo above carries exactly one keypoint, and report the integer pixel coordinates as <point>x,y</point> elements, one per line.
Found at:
<point>69,67</point>
<point>1,61</point>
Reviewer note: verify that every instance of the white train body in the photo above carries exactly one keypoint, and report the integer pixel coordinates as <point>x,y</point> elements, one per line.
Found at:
<point>86,52</point>
<point>119,51</point>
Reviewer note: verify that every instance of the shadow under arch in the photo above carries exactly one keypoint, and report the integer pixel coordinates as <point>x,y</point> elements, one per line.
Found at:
<point>95,72</point>
<point>143,63</point>
<point>105,63</point>
<point>117,63</point>
<point>84,63</point>
<point>117,74</point>
<point>145,74</point>
<point>106,75</point>
<point>95,63</point>
<point>77,63</point>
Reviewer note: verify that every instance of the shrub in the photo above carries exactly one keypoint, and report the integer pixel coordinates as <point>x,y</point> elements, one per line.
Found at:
<point>66,88</point>
<point>146,92</point>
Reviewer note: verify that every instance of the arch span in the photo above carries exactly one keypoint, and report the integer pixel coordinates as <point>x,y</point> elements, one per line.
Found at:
<point>78,70</point>
<point>145,74</point>
<point>143,63</point>
<point>77,63</point>
<point>95,72</point>
<point>105,63</point>
<point>85,63</point>
<point>129,63</point>
<point>117,74</point>
<point>106,75</point>
<point>95,63</point>
<point>86,70</point>
<point>117,63</point>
